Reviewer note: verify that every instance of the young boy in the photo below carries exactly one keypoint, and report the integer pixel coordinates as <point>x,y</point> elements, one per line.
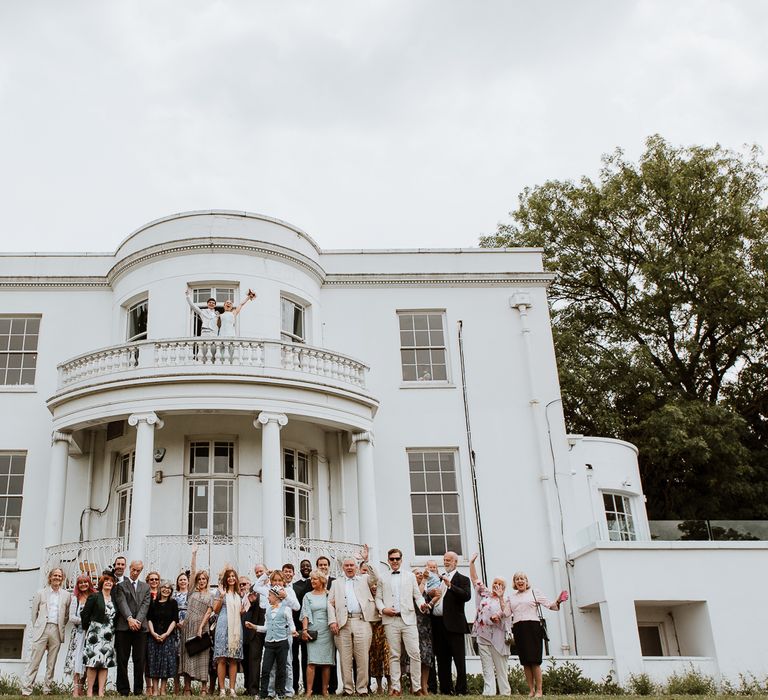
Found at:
<point>278,624</point>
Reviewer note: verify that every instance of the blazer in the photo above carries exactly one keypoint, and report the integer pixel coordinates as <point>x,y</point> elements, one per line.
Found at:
<point>410,597</point>
<point>337,598</point>
<point>130,603</point>
<point>454,600</point>
<point>255,615</point>
<point>94,610</point>
<point>40,612</point>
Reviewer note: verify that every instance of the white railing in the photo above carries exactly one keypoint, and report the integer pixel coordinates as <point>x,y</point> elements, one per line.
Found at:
<point>298,548</point>
<point>200,354</point>
<point>90,557</point>
<point>172,554</point>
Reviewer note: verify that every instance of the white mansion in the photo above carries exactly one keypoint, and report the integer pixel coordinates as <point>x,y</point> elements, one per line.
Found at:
<point>395,397</point>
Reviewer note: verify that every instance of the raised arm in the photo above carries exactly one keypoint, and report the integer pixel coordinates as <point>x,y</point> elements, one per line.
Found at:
<point>193,306</point>
<point>250,295</point>
<point>472,570</point>
<point>193,566</point>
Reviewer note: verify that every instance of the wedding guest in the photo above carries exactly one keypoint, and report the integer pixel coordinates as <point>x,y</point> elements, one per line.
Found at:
<point>278,627</point>
<point>98,618</point>
<point>163,647</point>
<point>228,642</point>
<point>119,568</point>
<point>50,612</point>
<point>424,626</point>
<point>321,651</point>
<point>199,609</point>
<point>181,596</point>
<point>379,660</point>
<point>74,661</point>
<point>526,605</point>
<point>492,623</point>
<point>131,599</point>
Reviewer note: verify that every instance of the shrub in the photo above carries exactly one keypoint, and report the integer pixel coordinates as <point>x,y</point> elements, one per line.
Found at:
<point>748,685</point>
<point>517,682</point>
<point>609,686</point>
<point>567,679</point>
<point>690,683</point>
<point>641,684</point>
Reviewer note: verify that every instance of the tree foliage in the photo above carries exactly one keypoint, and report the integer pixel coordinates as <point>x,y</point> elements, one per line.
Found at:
<point>660,315</point>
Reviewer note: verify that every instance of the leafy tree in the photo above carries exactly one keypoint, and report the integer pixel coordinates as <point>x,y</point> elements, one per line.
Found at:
<point>660,315</point>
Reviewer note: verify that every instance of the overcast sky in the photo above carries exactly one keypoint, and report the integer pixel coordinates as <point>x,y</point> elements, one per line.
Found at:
<point>367,123</point>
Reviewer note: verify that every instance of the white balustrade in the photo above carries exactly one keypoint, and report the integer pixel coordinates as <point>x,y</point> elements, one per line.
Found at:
<point>200,353</point>
<point>90,557</point>
<point>298,548</point>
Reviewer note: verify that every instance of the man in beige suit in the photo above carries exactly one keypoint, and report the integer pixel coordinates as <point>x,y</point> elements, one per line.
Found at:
<point>397,598</point>
<point>351,609</point>
<point>50,613</point>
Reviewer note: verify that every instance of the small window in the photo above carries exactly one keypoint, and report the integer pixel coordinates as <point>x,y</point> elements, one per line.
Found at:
<point>124,493</point>
<point>11,640</point>
<point>292,321</point>
<point>422,347</point>
<point>434,503</point>
<point>137,320</point>
<point>297,492</point>
<point>650,640</point>
<point>618,515</point>
<point>12,466</point>
<point>18,349</point>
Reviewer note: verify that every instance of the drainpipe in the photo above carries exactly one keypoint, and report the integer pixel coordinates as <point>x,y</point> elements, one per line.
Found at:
<point>521,301</point>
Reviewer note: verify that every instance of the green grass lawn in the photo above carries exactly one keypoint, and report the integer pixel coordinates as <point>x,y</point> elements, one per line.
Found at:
<point>480,697</point>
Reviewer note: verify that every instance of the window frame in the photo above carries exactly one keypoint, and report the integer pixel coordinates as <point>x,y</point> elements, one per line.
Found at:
<point>20,630</point>
<point>212,479</point>
<point>287,336</point>
<point>444,546</point>
<point>628,534</point>
<point>6,561</point>
<point>124,494</point>
<point>424,382</point>
<point>661,629</point>
<point>129,308</point>
<point>228,290</point>
<point>297,489</point>
<point>23,352</point>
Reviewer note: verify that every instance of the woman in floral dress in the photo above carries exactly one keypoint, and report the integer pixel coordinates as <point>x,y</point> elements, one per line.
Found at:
<point>98,619</point>
<point>73,665</point>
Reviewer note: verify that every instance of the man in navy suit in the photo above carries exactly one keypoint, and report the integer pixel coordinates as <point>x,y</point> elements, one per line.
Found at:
<point>449,625</point>
<point>132,598</point>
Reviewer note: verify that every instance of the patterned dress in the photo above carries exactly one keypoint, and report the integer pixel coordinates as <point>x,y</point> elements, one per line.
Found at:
<point>74,661</point>
<point>424,625</point>
<point>163,657</point>
<point>221,643</point>
<point>378,663</point>
<point>194,666</point>
<point>99,645</point>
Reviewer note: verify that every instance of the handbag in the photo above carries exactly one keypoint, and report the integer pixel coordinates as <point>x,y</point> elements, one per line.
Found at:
<point>542,623</point>
<point>312,634</point>
<point>199,644</point>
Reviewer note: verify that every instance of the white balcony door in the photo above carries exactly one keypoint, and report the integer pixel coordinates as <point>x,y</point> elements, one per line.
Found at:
<point>211,481</point>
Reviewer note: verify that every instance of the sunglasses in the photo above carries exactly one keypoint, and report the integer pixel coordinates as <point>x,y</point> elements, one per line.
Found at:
<point>153,580</point>
<point>395,558</point>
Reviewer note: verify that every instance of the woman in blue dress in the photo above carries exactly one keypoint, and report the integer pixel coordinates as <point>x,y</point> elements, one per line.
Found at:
<point>228,642</point>
<point>314,617</point>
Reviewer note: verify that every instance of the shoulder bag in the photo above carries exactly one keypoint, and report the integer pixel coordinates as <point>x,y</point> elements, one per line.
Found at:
<point>542,622</point>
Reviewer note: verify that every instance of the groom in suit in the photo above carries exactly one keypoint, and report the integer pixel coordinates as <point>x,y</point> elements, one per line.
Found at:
<point>132,598</point>
<point>397,599</point>
<point>449,625</point>
<point>351,609</point>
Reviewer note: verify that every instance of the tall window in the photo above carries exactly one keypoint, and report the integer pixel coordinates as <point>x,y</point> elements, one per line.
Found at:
<point>422,346</point>
<point>200,297</point>
<point>18,349</point>
<point>297,489</point>
<point>211,485</point>
<point>125,493</point>
<point>434,502</point>
<point>138,315</point>
<point>11,493</point>
<point>292,321</point>
<point>618,514</point>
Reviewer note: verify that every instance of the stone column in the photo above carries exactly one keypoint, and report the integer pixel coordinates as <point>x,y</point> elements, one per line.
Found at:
<point>141,498</point>
<point>272,520</point>
<point>57,487</point>
<point>362,446</point>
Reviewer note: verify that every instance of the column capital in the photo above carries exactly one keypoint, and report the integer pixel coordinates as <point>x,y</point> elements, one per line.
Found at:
<point>365,436</point>
<point>150,418</point>
<point>265,417</point>
<point>59,436</point>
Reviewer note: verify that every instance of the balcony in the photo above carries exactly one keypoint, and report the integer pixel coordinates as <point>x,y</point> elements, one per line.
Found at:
<point>177,375</point>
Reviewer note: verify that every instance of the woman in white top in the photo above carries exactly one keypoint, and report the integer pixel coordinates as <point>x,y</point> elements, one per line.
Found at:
<point>525,603</point>
<point>228,317</point>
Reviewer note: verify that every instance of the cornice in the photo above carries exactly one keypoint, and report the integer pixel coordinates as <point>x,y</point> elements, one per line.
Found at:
<point>190,246</point>
<point>95,282</point>
<point>460,279</point>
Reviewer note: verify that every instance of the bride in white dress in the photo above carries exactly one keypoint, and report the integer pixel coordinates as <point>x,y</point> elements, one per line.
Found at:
<point>228,317</point>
